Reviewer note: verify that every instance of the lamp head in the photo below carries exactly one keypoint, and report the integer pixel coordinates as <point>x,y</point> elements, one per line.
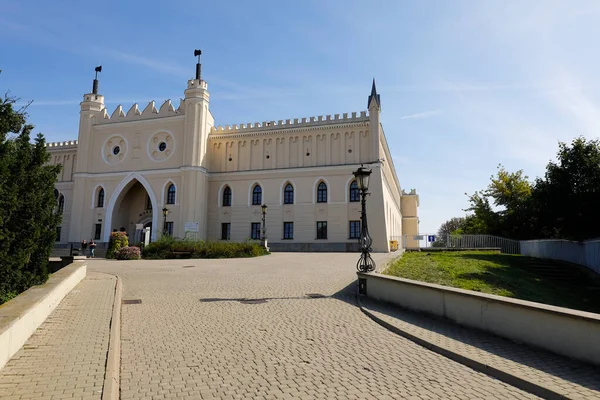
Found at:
<point>165,211</point>
<point>362,176</point>
<point>264,208</point>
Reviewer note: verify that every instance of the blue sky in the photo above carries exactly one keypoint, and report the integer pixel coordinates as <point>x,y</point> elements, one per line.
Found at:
<point>464,84</point>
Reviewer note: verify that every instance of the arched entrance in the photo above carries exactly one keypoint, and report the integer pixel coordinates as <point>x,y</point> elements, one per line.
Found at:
<point>128,207</point>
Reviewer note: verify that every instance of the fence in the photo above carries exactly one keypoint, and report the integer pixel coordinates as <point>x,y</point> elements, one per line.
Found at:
<point>583,253</point>
<point>422,241</point>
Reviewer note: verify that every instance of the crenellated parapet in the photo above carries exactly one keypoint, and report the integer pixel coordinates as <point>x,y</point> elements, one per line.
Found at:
<point>319,121</point>
<point>70,144</point>
<point>135,114</point>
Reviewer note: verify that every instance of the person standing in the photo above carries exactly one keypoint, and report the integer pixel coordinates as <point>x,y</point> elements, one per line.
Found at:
<point>84,246</point>
<point>92,248</point>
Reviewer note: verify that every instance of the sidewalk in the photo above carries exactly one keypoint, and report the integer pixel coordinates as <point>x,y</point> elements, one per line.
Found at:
<point>537,371</point>
<point>66,356</point>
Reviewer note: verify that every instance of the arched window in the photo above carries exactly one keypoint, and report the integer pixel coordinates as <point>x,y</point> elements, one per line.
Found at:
<point>227,197</point>
<point>171,194</point>
<point>257,195</point>
<point>354,192</point>
<point>288,194</point>
<point>61,204</point>
<point>101,198</point>
<point>322,193</point>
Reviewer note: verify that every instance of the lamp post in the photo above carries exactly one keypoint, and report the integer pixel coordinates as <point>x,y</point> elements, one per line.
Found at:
<point>263,236</point>
<point>165,211</point>
<point>365,263</point>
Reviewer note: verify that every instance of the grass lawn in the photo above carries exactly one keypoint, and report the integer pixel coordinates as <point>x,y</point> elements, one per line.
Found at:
<point>501,274</point>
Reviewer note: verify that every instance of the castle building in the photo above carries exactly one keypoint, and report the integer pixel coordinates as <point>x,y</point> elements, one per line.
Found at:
<point>127,166</point>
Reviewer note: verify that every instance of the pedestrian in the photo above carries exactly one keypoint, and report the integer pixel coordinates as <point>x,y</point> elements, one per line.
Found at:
<point>92,248</point>
<point>84,245</point>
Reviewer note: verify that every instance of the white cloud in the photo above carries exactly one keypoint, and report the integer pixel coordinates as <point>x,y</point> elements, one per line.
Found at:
<point>420,115</point>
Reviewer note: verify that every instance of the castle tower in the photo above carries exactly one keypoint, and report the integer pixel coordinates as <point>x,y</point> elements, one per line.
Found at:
<point>374,107</point>
<point>91,107</point>
<point>198,120</point>
<point>197,125</point>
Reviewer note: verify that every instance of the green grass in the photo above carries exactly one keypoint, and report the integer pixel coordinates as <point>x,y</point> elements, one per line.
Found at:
<point>499,274</point>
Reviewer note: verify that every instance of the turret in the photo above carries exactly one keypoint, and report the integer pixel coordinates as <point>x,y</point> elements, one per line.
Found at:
<point>374,106</point>
<point>91,107</point>
<point>196,127</point>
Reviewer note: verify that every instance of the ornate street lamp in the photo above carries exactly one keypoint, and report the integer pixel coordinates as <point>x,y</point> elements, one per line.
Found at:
<point>165,211</point>
<point>365,263</point>
<point>263,236</point>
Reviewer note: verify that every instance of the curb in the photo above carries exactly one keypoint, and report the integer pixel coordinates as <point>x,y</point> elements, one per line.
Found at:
<point>503,376</point>
<point>110,389</point>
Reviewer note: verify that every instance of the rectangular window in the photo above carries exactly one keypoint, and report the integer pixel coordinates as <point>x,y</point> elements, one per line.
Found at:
<point>255,230</point>
<point>288,230</point>
<point>170,228</point>
<point>58,229</point>
<point>321,229</point>
<point>225,231</point>
<point>354,229</point>
<point>98,231</point>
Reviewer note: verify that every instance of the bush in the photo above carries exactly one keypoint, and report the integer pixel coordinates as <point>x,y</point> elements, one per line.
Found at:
<point>167,246</point>
<point>128,253</point>
<point>116,241</point>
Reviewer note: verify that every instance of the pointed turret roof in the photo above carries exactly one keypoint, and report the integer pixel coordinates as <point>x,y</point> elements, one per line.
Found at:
<point>374,95</point>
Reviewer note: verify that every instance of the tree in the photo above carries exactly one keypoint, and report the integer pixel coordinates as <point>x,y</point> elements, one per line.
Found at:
<point>511,194</point>
<point>568,197</point>
<point>447,228</point>
<point>28,217</point>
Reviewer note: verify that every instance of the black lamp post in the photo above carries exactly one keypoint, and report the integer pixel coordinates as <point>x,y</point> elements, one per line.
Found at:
<point>165,211</point>
<point>365,263</point>
<point>263,236</point>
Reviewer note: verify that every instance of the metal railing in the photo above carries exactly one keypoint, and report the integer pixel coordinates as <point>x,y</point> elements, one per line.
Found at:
<point>458,242</point>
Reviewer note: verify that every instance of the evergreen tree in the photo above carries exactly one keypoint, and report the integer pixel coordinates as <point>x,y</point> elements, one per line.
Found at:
<point>28,215</point>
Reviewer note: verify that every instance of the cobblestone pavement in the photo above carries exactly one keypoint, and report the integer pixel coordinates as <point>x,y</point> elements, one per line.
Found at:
<point>568,378</point>
<point>66,356</point>
<point>280,326</point>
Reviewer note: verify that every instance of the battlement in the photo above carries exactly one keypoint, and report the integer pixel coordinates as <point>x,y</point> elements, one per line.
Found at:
<point>134,114</point>
<point>289,124</point>
<point>62,145</point>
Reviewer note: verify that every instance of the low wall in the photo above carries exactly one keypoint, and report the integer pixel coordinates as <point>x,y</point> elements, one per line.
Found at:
<point>563,331</point>
<point>314,247</point>
<point>20,317</point>
<point>583,253</point>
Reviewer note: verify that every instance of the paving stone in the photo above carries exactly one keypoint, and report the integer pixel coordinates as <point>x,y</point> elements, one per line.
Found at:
<point>192,330</point>
<point>566,377</point>
<point>61,359</point>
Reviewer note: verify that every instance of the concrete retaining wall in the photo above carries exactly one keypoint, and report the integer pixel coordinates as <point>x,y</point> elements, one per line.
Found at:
<point>583,253</point>
<point>563,331</point>
<point>21,316</point>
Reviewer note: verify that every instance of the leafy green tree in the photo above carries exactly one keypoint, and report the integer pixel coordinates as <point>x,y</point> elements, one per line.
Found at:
<point>568,198</point>
<point>28,217</point>
<point>447,228</point>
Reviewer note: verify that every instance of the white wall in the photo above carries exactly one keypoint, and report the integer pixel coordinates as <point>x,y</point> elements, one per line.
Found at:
<point>583,253</point>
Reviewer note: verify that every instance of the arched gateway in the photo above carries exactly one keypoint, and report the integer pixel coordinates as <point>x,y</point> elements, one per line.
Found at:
<point>128,206</point>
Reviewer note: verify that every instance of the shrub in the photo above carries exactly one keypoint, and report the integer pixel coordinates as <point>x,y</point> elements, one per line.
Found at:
<point>116,241</point>
<point>128,253</point>
<point>166,248</point>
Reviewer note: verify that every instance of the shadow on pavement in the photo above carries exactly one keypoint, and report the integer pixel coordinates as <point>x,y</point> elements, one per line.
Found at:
<point>577,372</point>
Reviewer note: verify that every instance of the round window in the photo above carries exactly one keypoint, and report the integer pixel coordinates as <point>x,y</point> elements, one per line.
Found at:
<point>162,146</point>
<point>116,150</point>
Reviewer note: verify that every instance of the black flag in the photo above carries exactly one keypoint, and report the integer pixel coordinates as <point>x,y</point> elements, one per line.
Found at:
<point>197,52</point>
<point>98,68</point>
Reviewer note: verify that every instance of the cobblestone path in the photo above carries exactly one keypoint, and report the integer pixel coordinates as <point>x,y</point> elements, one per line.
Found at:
<point>66,356</point>
<point>280,326</point>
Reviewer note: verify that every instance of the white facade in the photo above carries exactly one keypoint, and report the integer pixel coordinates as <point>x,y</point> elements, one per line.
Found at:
<point>126,167</point>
